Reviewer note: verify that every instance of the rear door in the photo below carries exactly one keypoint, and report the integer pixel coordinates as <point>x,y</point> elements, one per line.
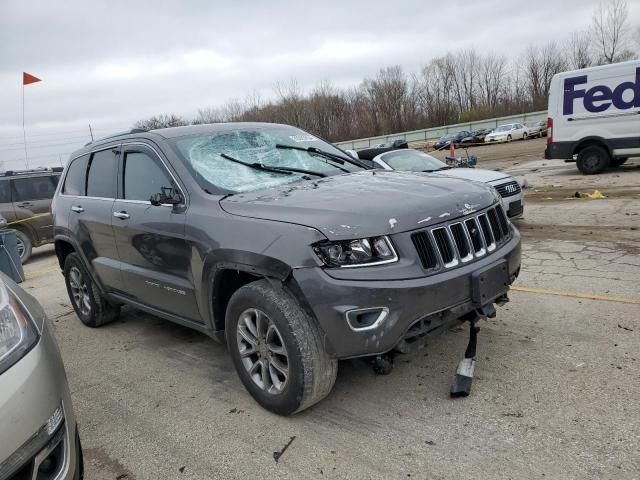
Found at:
<point>6,204</point>
<point>32,203</point>
<point>91,212</point>
<point>155,257</point>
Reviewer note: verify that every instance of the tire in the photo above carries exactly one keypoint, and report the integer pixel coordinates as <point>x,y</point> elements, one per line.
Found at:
<point>509,139</point>
<point>524,136</point>
<point>88,302</point>
<point>616,162</point>
<point>593,159</point>
<point>24,246</point>
<point>290,340</point>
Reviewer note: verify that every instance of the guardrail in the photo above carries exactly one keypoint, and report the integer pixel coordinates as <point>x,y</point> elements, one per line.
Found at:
<point>434,133</point>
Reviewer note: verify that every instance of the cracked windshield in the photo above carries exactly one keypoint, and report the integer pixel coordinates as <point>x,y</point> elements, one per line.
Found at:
<point>253,152</point>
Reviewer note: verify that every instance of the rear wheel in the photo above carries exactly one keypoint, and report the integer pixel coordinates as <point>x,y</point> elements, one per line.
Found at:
<point>277,349</point>
<point>90,305</point>
<point>593,159</point>
<point>24,245</point>
<point>524,136</point>
<point>616,162</point>
<point>508,138</point>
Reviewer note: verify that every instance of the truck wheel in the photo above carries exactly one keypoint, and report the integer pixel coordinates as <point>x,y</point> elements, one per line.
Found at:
<point>277,349</point>
<point>616,162</point>
<point>90,305</point>
<point>24,245</point>
<point>593,159</point>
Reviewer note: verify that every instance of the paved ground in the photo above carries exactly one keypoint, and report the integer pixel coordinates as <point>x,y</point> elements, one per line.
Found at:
<point>555,396</point>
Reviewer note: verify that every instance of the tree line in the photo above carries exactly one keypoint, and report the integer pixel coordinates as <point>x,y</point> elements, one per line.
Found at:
<point>457,87</point>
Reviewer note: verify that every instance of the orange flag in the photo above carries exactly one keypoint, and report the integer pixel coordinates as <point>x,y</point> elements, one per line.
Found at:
<point>27,78</point>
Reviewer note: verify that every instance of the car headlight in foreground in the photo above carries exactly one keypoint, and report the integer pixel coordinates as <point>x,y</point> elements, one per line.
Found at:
<point>18,334</point>
<point>361,252</point>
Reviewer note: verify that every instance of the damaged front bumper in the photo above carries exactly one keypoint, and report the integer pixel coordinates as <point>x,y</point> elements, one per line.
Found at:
<point>398,314</point>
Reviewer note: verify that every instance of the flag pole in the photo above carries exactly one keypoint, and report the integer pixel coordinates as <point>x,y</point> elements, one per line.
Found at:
<point>24,132</point>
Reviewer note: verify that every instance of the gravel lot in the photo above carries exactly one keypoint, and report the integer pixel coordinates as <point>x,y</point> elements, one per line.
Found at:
<point>555,395</point>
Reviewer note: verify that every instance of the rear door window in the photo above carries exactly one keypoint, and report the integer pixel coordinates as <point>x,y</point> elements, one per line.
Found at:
<point>76,179</point>
<point>103,173</point>
<point>33,188</point>
<point>5,191</point>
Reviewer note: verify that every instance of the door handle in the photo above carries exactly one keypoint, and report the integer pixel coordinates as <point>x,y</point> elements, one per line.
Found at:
<point>121,215</point>
<point>77,209</point>
<point>25,204</point>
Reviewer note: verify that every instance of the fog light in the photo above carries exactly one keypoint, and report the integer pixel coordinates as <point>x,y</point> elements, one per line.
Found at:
<point>55,420</point>
<point>362,319</point>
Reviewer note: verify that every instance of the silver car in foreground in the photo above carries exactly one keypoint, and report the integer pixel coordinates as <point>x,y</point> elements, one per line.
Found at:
<point>38,435</point>
<point>415,161</point>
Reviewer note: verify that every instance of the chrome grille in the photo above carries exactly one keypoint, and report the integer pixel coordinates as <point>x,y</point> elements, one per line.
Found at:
<point>462,241</point>
<point>508,189</point>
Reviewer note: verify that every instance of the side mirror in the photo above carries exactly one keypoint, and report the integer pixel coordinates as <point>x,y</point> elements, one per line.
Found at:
<point>168,196</point>
<point>352,154</point>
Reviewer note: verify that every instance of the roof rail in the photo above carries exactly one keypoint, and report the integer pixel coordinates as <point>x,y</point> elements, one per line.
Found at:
<point>133,130</point>
<point>10,173</point>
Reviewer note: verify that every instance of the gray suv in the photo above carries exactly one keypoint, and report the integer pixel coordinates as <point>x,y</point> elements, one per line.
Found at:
<point>279,243</point>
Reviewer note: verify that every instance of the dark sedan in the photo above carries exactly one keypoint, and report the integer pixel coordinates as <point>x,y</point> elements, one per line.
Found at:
<point>454,138</point>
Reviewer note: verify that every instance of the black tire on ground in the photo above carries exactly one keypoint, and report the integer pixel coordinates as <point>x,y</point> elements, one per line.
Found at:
<point>508,138</point>
<point>616,162</point>
<point>524,136</point>
<point>593,159</point>
<point>24,246</point>
<point>310,371</point>
<point>88,302</point>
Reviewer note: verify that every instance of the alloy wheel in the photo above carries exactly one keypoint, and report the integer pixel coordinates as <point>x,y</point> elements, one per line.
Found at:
<point>262,351</point>
<point>79,291</point>
<point>20,247</point>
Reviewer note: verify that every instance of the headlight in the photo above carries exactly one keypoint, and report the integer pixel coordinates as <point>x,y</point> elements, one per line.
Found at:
<point>18,334</point>
<point>362,252</point>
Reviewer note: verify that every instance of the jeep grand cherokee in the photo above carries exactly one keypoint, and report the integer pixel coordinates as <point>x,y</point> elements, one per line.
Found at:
<point>278,242</point>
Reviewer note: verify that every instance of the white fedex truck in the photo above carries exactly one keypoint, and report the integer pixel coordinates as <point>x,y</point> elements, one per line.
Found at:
<point>594,116</point>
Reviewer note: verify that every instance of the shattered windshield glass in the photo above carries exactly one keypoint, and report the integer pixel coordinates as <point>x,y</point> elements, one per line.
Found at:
<point>202,155</point>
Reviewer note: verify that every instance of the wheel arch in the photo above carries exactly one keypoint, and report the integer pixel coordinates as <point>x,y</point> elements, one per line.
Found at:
<point>63,246</point>
<point>593,141</point>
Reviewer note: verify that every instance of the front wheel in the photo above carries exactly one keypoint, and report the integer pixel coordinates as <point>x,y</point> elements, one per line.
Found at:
<point>90,305</point>
<point>277,349</point>
<point>593,159</point>
<point>509,139</point>
<point>524,136</point>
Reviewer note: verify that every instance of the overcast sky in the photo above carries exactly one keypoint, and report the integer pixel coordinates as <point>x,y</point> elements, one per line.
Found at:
<point>110,63</point>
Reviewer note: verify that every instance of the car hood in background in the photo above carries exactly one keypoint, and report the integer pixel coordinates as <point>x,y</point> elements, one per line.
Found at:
<point>477,174</point>
<point>365,204</point>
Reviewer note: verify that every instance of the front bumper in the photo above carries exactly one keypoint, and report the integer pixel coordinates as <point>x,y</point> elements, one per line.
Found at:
<point>441,298</point>
<point>514,206</point>
<point>30,392</point>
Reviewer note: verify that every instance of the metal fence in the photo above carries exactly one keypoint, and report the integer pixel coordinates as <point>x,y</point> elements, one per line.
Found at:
<point>436,132</point>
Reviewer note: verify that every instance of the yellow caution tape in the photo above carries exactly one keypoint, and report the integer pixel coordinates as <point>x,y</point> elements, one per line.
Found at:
<point>28,219</point>
<point>605,298</point>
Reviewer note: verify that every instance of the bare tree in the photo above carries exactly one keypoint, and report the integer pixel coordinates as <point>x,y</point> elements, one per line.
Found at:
<point>610,32</point>
<point>161,121</point>
<point>541,64</point>
<point>579,50</point>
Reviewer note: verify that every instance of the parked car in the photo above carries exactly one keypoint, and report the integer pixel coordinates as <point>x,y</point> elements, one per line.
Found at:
<point>25,202</point>
<point>536,129</point>
<point>477,136</point>
<point>415,161</point>
<point>454,138</point>
<point>39,437</point>
<point>265,235</point>
<point>594,116</point>
<point>506,133</point>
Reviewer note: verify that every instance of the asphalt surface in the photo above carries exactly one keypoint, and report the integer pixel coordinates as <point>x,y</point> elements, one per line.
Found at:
<point>555,394</point>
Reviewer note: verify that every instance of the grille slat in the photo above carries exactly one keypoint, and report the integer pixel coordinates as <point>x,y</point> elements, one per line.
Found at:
<point>508,189</point>
<point>425,250</point>
<point>462,241</point>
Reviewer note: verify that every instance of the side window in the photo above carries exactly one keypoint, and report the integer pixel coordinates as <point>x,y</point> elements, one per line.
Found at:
<point>74,182</point>
<point>33,188</point>
<point>103,173</point>
<point>143,176</point>
<point>5,191</point>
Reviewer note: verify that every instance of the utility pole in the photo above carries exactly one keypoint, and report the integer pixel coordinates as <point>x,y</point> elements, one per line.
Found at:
<point>91,132</point>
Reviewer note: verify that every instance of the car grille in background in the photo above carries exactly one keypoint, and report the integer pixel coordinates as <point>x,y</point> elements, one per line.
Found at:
<point>508,189</point>
<point>462,241</point>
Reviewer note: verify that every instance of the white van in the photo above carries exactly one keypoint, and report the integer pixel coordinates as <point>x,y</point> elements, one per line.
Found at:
<point>594,116</point>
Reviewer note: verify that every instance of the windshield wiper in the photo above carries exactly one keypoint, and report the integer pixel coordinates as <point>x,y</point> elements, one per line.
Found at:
<point>267,168</point>
<point>331,156</point>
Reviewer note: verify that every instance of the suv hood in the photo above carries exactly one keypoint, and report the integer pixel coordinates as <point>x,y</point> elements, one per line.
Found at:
<point>477,174</point>
<point>365,204</point>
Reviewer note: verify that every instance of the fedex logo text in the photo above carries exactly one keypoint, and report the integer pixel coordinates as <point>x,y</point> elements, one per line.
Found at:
<point>600,97</point>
